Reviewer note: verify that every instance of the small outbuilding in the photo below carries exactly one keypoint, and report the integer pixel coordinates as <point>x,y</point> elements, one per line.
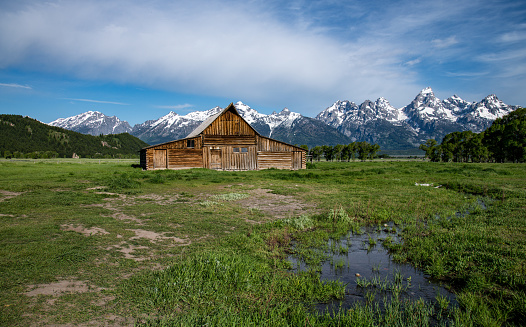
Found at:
<point>224,141</point>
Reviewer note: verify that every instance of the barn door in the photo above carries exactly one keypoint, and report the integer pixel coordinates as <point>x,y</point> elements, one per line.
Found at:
<point>296,160</point>
<point>215,159</point>
<point>160,159</point>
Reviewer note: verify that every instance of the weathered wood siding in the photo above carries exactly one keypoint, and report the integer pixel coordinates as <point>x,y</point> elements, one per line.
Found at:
<point>269,145</point>
<point>272,153</point>
<point>185,158</point>
<point>160,159</point>
<point>279,160</point>
<point>152,157</point>
<point>224,158</point>
<point>230,140</point>
<point>229,124</point>
<point>298,159</point>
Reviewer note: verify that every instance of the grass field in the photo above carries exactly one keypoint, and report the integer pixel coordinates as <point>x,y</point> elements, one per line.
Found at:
<point>104,243</point>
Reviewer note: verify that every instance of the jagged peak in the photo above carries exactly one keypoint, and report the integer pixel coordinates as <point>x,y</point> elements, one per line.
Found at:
<point>492,97</point>
<point>382,101</point>
<point>427,90</point>
<point>91,112</point>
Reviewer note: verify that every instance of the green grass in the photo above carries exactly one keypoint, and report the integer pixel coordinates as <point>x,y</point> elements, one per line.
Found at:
<point>210,259</point>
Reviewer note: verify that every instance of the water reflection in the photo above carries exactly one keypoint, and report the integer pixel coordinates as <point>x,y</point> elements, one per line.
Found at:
<point>364,265</point>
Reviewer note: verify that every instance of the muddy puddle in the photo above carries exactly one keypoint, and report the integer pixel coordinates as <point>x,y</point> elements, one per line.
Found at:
<point>365,267</point>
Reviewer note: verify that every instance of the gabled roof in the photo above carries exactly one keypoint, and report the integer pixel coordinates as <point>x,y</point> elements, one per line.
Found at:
<point>212,118</point>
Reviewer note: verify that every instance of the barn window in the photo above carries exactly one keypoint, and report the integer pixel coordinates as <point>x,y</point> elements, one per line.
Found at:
<point>242,150</point>
<point>190,143</point>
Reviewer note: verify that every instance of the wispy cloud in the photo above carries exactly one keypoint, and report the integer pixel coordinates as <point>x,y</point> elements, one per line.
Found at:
<point>194,47</point>
<point>259,50</point>
<point>467,74</point>
<point>413,62</point>
<point>16,86</point>
<point>514,36</point>
<point>98,101</point>
<point>177,106</point>
<point>445,43</point>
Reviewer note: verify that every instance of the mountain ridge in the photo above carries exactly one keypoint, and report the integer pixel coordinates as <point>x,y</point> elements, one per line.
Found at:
<point>343,122</point>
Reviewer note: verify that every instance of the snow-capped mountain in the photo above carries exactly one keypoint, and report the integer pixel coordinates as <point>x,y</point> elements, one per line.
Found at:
<point>285,126</point>
<point>424,118</point>
<point>93,123</point>
<point>344,122</point>
<point>171,126</point>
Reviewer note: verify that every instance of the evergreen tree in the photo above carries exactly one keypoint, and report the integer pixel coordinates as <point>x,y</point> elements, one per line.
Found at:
<point>506,137</point>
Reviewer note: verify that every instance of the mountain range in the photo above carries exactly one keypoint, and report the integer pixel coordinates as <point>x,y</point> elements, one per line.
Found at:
<point>343,122</point>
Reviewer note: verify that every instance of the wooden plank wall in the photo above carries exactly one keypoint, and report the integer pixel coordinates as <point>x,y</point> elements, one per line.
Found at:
<point>185,158</point>
<point>231,160</point>
<point>229,124</point>
<point>279,160</point>
<point>297,157</point>
<point>266,146</point>
<point>148,156</point>
<point>231,140</point>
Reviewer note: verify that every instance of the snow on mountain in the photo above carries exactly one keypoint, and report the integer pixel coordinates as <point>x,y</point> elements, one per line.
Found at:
<point>344,121</point>
<point>93,123</point>
<point>249,114</point>
<point>173,126</point>
<point>425,117</point>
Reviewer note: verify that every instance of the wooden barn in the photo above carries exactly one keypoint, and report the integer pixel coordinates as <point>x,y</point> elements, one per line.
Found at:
<point>224,141</point>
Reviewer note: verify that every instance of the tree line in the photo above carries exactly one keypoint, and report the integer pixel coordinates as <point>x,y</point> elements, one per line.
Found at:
<point>24,137</point>
<point>344,152</point>
<point>503,141</point>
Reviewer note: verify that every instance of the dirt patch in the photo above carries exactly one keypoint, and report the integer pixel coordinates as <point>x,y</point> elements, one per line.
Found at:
<point>121,216</point>
<point>61,287</point>
<point>5,195</point>
<point>128,249</point>
<point>84,231</point>
<point>122,200</point>
<point>158,199</point>
<point>154,237</point>
<point>276,205</point>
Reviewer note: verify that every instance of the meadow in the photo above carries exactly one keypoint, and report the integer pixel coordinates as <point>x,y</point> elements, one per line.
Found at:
<point>101,242</point>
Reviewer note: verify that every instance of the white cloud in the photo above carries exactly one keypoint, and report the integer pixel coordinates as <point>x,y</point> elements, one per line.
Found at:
<point>445,43</point>
<point>177,107</point>
<point>98,101</point>
<point>413,62</point>
<point>514,36</point>
<point>249,49</point>
<point>200,48</point>
<point>16,86</point>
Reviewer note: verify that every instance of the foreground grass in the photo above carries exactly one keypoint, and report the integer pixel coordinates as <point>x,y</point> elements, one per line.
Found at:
<point>211,259</point>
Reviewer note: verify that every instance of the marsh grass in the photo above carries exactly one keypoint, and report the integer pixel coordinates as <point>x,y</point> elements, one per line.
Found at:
<point>232,272</point>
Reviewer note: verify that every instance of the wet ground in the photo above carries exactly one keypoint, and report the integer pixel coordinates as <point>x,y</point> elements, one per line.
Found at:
<point>369,273</point>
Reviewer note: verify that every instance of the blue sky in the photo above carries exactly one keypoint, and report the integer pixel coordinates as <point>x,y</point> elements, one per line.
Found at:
<point>139,60</point>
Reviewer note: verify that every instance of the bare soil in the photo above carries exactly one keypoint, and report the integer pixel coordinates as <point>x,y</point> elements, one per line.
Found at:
<point>276,205</point>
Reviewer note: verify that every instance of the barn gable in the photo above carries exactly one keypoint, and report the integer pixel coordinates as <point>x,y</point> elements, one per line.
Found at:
<point>224,141</point>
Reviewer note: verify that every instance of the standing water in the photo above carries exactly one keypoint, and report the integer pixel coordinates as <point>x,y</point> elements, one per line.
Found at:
<point>364,265</point>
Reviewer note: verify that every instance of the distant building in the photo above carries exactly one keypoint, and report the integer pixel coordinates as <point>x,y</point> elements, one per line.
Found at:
<point>225,141</point>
